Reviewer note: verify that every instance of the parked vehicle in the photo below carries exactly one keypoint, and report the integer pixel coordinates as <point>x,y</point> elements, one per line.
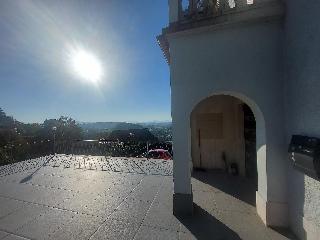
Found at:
<point>159,154</point>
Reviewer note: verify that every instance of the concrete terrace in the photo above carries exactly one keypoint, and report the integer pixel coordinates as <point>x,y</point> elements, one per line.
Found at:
<point>78,197</point>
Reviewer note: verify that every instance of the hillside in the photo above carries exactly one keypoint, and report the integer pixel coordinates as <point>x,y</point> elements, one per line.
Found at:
<point>110,126</point>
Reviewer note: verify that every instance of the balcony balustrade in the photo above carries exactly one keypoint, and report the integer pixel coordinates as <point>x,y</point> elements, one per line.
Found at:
<point>185,15</point>
<point>193,10</point>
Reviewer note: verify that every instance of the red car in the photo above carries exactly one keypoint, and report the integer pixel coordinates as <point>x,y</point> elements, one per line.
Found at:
<point>159,154</point>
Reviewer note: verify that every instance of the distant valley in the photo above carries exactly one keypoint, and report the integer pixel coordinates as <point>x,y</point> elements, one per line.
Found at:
<point>110,126</point>
<point>161,130</point>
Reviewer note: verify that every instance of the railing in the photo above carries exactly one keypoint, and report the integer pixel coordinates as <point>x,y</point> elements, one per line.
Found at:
<point>15,151</point>
<point>101,148</point>
<point>18,151</point>
<point>180,10</point>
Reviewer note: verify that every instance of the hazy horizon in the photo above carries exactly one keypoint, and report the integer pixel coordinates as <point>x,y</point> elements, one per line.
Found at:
<point>94,121</point>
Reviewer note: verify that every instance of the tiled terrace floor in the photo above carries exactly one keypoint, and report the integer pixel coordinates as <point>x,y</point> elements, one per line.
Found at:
<point>61,198</point>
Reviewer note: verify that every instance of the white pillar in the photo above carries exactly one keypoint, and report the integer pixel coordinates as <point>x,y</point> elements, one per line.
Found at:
<point>181,135</point>
<point>271,197</point>
<point>182,198</point>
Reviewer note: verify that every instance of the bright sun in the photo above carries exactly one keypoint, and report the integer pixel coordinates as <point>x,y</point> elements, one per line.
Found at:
<point>86,65</point>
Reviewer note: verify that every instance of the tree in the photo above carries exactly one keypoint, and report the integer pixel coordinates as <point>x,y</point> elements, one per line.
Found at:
<point>19,141</point>
<point>5,121</point>
<point>7,126</point>
<point>67,128</point>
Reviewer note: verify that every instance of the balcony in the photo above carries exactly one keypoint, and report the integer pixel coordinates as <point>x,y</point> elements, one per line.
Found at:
<point>202,9</point>
<point>183,12</point>
<point>201,15</point>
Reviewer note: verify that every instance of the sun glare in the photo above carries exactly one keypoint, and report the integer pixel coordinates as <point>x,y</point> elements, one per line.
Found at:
<point>86,65</point>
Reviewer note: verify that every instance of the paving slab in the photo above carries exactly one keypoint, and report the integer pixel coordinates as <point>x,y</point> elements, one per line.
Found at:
<point>14,237</point>
<point>23,215</point>
<point>77,226</point>
<point>160,217</point>
<point>151,233</point>
<point>160,214</point>
<point>131,211</point>
<point>90,204</point>
<point>8,206</point>
<point>116,230</point>
<point>45,225</point>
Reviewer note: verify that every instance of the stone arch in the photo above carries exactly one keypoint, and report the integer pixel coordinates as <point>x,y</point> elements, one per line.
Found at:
<point>260,135</point>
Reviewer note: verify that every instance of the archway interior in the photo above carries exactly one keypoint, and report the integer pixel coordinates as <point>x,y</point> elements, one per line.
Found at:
<point>223,142</point>
<point>250,144</point>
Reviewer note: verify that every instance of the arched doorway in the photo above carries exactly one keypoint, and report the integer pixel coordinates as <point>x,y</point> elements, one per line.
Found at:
<point>224,141</point>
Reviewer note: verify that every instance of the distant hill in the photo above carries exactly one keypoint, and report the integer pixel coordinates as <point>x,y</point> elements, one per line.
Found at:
<point>156,124</point>
<point>119,130</point>
<point>109,126</point>
<point>135,135</point>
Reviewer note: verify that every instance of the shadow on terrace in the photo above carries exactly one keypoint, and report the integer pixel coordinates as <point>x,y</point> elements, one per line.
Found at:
<point>241,188</point>
<point>225,205</point>
<point>203,225</point>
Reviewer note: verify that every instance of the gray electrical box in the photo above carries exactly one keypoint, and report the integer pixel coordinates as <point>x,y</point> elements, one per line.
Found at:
<point>304,153</point>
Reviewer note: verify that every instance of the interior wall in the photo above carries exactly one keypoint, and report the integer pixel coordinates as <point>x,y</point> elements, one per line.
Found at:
<point>219,122</point>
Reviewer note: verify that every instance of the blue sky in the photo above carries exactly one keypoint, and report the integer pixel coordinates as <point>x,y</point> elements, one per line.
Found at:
<point>35,78</point>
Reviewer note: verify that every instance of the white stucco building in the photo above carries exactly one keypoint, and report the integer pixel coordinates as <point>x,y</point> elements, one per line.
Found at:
<point>225,56</point>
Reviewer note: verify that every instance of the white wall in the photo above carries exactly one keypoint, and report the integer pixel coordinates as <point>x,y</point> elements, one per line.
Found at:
<point>246,61</point>
<point>302,95</point>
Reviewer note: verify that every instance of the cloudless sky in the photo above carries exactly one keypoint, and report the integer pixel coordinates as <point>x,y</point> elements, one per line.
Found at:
<point>35,77</point>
